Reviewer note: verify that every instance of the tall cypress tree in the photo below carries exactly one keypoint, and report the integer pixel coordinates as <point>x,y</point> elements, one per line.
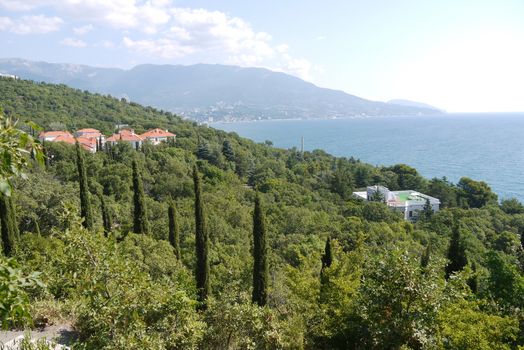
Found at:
<point>140,222</point>
<point>85,205</point>
<point>106,216</point>
<point>260,265</point>
<point>327,260</point>
<point>426,256</point>
<point>8,227</point>
<point>202,244</point>
<point>174,233</point>
<point>456,252</point>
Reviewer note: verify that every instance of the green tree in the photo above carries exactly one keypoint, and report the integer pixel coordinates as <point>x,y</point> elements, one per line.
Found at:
<point>140,221</point>
<point>456,252</point>
<point>106,216</point>
<point>260,264</point>
<point>512,206</point>
<point>202,244</point>
<point>8,225</point>
<point>174,231</point>
<point>85,204</point>
<point>426,256</point>
<point>427,210</point>
<point>227,151</point>
<point>476,193</point>
<point>15,146</point>
<point>327,260</point>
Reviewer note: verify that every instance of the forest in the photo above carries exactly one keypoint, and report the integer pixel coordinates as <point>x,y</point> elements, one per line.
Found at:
<point>217,242</point>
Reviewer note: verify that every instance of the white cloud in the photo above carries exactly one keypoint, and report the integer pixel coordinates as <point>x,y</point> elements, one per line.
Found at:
<point>37,24</point>
<point>17,5</point>
<point>83,29</point>
<point>73,42</point>
<point>159,29</point>
<point>164,48</point>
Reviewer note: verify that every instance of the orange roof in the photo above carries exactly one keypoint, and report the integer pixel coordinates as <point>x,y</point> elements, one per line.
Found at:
<point>88,143</point>
<point>157,133</point>
<point>55,133</point>
<point>88,130</point>
<point>65,138</point>
<point>125,135</point>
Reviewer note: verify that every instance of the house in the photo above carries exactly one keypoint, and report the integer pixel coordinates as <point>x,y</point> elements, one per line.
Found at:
<point>126,135</point>
<point>96,135</point>
<point>156,136</point>
<point>409,203</point>
<point>50,136</point>
<point>88,143</point>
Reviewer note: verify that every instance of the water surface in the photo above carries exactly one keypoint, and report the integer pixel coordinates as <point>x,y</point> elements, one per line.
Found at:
<point>487,147</point>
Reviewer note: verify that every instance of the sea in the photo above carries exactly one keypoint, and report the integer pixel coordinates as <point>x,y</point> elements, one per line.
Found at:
<point>487,147</point>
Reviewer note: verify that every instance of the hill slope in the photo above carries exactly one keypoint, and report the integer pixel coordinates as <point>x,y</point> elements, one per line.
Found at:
<point>383,285</point>
<point>201,91</point>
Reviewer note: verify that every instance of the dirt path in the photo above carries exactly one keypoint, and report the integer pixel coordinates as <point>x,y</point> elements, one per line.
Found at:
<point>61,334</point>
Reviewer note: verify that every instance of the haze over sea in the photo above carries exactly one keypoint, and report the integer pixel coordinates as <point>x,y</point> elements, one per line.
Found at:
<point>488,147</point>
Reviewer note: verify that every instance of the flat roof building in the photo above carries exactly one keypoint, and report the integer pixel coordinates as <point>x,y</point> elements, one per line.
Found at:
<point>409,203</point>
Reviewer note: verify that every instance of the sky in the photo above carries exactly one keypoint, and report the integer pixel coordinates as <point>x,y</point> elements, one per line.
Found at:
<point>458,55</point>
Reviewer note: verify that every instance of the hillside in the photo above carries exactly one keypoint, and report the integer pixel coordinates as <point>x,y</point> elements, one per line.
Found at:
<point>452,280</point>
<point>205,91</point>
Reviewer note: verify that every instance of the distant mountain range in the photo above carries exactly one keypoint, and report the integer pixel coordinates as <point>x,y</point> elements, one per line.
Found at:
<point>213,92</point>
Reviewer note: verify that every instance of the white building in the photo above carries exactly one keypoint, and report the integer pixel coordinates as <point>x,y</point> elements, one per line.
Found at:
<point>409,203</point>
<point>156,136</point>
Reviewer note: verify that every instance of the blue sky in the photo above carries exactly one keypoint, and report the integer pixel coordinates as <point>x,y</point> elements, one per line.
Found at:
<point>463,56</point>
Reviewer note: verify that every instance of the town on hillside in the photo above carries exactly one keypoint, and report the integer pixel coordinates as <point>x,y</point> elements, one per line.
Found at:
<point>92,140</point>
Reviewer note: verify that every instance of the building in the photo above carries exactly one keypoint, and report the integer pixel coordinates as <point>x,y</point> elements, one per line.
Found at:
<point>88,143</point>
<point>156,136</point>
<point>126,135</point>
<point>50,136</point>
<point>409,203</point>
<point>95,137</point>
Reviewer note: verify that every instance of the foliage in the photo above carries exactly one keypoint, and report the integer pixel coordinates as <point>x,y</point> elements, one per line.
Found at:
<point>85,203</point>
<point>14,300</point>
<point>260,256</point>
<point>201,243</point>
<point>384,287</point>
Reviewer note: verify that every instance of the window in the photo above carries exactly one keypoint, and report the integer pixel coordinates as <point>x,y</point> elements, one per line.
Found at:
<point>410,213</point>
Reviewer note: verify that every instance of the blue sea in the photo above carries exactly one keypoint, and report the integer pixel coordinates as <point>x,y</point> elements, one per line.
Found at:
<point>488,147</point>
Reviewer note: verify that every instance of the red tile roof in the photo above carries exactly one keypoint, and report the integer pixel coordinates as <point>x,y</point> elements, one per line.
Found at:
<point>55,134</point>
<point>124,135</point>
<point>89,133</point>
<point>88,130</point>
<point>157,133</point>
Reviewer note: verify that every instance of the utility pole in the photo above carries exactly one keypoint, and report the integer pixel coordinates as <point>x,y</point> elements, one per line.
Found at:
<point>302,145</point>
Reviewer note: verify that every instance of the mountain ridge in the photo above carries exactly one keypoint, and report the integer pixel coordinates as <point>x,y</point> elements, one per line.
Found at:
<point>211,92</point>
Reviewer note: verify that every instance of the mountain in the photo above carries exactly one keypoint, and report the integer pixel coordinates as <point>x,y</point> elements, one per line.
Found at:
<point>409,103</point>
<point>204,91</point>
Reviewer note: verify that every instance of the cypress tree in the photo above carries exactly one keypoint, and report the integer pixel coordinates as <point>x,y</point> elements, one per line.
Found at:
<point>426,255</point>
<point>327,260</point>
<point>473,279</point>
<point>260,265</point>
<point>8,226</point>
<point>174,233</point>
<point>427,210</point>
<point>140,222</point>
<point>202,245</point>
<point>85,205</point>
<point>456,252</point>
<point>106,217</point>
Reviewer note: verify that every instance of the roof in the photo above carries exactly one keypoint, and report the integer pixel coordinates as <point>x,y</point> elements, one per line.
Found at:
<point>157,133</point>
<point>125,135</point>
<point>55,133</point>
<point>65,138</point>
<point>412,197</point>
<point>88,130</point>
